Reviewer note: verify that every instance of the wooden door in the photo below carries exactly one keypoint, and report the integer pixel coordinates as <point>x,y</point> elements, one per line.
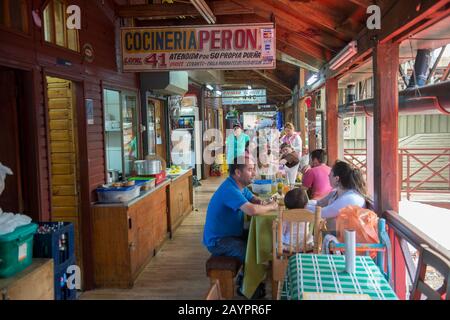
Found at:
<point>11,198</point>
<point>63,154</point>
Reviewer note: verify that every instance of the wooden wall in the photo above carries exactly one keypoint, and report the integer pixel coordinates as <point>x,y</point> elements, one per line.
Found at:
<point>31,53</point>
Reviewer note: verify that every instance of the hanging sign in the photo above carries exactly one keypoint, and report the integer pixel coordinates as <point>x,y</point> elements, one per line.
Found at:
<point>254,96</point>
<point>226,47</point>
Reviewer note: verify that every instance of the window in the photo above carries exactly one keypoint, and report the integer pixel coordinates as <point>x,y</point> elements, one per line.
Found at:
<point>13,14</point>
<point>55,26</point>
<point>121,128</point>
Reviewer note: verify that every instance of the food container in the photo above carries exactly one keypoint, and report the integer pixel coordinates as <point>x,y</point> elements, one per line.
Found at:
<point>117,195</point>
<point>16,250</point>
<point>145,183</point>
<point>262,186</point>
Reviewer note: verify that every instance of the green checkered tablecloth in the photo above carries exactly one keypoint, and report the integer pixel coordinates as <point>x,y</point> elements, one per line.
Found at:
<point>326,273</point>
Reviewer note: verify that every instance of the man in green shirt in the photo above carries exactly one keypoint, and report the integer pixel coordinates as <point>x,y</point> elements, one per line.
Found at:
<point>236,143</point>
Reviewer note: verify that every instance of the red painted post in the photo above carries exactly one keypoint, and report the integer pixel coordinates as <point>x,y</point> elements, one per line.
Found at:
<point>332,143</point>
<point>385,134</point>
<point>312,124</point>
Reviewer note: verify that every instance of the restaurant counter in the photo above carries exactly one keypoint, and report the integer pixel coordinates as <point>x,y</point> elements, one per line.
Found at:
<point>127,235</point>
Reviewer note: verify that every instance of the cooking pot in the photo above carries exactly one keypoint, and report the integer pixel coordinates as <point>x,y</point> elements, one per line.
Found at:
<point>153,166</point>
<point>139,167</point>
<point>147,167</point>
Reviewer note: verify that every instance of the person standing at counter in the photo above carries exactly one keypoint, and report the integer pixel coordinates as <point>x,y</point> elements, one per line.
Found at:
<point>223,233</point>
<point>292,138</point>
<point>236,143</point>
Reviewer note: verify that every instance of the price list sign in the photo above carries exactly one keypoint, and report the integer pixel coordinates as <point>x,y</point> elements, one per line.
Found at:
<point>226,47</point>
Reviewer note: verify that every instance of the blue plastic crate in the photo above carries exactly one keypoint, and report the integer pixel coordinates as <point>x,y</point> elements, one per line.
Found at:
<point>58,244</point>
<point>62,292</point>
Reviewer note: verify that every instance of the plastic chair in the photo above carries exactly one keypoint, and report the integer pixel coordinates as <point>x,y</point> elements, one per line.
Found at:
<point>281,254</point>
<point>428,257</point>
<point>382,249</point>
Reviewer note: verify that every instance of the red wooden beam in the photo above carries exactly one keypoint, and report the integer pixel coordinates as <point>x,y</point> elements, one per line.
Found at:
<point>331,94</point>
<point>312,144</point>
<point>385,136</point>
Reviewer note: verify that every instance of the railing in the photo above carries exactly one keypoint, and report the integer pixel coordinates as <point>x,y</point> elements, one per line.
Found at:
<point>409,234</point>
<point>423,170</point>
<point>357,157</point>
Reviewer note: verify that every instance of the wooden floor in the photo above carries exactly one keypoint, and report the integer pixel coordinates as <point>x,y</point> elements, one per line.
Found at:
<point>178,269</point>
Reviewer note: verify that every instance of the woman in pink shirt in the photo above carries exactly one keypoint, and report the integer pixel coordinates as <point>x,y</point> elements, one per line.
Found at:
<point>316,178</point>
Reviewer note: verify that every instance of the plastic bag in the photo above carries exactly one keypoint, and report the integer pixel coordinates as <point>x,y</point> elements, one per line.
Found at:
<point>363,221</point>
<point>3,172</point>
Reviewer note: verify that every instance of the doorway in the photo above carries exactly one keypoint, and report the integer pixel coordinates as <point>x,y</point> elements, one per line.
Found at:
<point>18,144</point>
<point>63,150</point>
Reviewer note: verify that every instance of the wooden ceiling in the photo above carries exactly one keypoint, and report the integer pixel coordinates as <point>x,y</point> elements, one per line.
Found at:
<point>311,31</point>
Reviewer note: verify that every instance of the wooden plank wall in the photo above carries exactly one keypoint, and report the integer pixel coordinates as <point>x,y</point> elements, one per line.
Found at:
<point>31,53</point>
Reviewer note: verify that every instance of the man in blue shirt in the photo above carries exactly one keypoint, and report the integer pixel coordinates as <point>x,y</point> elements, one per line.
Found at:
<point>223,233</point>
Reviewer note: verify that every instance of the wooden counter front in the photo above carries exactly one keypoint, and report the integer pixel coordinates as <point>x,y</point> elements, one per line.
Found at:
<point>181,199</point>
<point>127,236</point>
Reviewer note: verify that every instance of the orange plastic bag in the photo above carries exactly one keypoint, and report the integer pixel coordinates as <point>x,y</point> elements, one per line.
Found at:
<point>363,221</point>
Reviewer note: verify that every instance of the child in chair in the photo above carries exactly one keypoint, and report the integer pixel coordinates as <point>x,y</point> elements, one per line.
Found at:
<point>296,199</point>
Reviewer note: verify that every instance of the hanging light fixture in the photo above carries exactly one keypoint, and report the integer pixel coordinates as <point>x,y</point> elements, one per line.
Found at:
<point>343,56</point>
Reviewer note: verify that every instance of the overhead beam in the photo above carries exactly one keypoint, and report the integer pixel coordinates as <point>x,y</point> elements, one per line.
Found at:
<point>294,23</point>
<point>205,11</point>
<point>273,79</point>
<point>299,54</point>
<point>281,56</point>
<point>362,3</point>
<point>167,11</point>
<point>404,18</point>
<point>313,14</point>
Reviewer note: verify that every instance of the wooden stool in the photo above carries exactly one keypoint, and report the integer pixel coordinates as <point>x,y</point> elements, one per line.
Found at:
<point>225,270</point>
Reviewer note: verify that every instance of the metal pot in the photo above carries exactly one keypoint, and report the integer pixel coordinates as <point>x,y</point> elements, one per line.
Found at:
<point>152,166</point>
<point>139,167</point>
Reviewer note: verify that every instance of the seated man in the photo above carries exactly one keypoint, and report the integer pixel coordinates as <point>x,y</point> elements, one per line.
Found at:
<point>224,227</point>
<point>223,232</point>
<point>316,179</point>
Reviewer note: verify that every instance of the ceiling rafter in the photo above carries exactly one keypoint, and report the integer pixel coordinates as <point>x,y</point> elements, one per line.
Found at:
<point>167,11</point>
<point>294,24</point>
<point>315,14</point>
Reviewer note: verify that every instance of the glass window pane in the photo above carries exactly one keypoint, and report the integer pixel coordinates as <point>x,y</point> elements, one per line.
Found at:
<point>113,130</point>
<point>72,39</point>
<point>15,12</point>
<point>60,23</point>
<point>151,134</point>
<point>48,24</point>
<point>130,131</point>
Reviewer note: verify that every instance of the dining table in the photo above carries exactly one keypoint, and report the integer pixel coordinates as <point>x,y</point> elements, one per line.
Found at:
<point>259,252</point>
<point>324,273</point>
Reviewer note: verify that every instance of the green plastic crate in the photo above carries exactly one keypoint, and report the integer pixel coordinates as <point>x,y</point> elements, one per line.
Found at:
<point>16,250</point>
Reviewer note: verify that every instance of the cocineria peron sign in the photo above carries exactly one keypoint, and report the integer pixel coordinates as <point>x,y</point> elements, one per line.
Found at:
<point>250,46</point>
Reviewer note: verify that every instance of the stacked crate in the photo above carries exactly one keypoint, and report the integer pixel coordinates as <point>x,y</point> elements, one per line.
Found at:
<point>56,240</point>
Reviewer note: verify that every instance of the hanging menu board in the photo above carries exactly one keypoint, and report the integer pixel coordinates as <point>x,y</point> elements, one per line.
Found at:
<point>226,47</point>
<point>253,96</point>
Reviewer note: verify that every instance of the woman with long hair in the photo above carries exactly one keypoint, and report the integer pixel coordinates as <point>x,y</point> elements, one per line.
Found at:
<point>349,189</point>
<point>292,138</point>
